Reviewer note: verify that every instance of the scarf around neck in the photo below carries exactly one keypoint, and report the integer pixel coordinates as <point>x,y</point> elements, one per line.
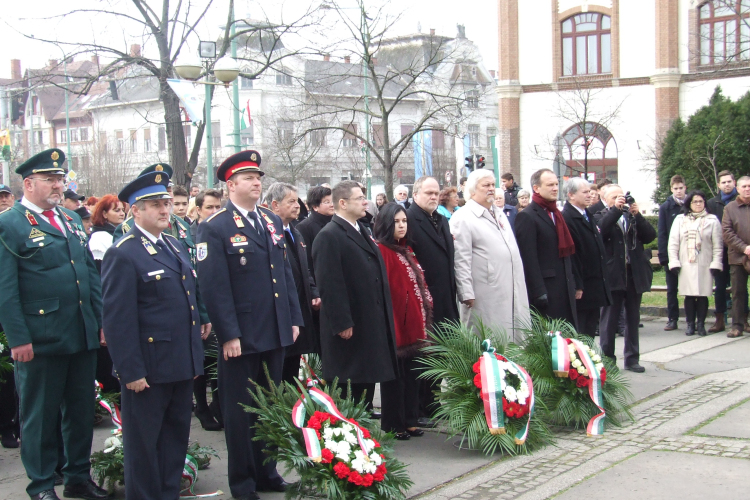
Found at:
<point>726,197</point>
<point>694,222</point>
<point>565,245</point>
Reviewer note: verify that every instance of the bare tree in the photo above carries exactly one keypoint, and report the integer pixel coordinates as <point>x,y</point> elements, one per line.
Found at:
<point>169,26</point>
<point>432,78</point>
<point>101,168</point>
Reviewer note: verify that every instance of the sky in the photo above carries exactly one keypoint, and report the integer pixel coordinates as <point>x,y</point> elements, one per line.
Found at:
<point>44,19</point>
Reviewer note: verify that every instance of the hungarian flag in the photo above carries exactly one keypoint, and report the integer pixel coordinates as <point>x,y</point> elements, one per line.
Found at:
<point>246,120</point>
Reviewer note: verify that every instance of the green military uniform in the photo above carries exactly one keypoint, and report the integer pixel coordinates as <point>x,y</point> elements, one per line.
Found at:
<point>52,300</point>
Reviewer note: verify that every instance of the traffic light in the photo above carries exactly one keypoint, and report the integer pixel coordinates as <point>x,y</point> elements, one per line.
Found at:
<point>469,163</point>
<point>480,161</point>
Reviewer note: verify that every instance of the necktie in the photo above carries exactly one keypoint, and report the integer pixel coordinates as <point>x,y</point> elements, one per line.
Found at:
<point>585,216</point>
<point>50,214</point>
<point>289,232</point>
<point>168,251</point>
<point>256,222</point>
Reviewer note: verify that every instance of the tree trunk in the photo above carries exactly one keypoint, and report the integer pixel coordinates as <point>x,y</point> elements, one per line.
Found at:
<point>178,158</point>
<point>388,170</point>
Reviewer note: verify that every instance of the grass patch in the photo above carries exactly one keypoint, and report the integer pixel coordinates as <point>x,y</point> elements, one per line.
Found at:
<point>659,299</point>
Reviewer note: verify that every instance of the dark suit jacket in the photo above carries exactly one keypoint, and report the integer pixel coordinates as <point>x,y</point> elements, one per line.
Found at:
<point>639,232</point>
<point>597,207</point>
<point>510,212</point>
<point>668,211</point>
<point>435,253</point>
<point>309,229</point>
<point>589,263</point>
<point>545,271</point>
<point>309,338</point>
<point>353,285</point>
<point>246,280</point>
<point>716,206</point>
<point>151,319</point>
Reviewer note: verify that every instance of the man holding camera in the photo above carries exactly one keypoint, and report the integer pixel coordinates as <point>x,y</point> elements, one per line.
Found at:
<point>624,231</point>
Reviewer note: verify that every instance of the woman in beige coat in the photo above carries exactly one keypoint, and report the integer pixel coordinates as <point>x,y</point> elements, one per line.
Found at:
<point>489,271</point>
<point>695,248</point>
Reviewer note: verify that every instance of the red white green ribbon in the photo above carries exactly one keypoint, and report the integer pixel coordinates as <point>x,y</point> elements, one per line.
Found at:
<point>524,433</point>
<point>190,475</point>
<point>112,408</point>
<point>312,442</point>
<point>561,365</point>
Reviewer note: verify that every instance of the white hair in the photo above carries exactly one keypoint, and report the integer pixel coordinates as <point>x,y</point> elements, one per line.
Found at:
<point>475,177</point>
<point>399,188</point>
<point>574,185</point>
<point>604,191</point>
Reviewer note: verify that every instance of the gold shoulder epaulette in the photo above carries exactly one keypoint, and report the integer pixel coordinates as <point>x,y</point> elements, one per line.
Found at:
<point>123,240</point>
<point>3,211</point>
<point>217,213</point>
<point>167,234</point>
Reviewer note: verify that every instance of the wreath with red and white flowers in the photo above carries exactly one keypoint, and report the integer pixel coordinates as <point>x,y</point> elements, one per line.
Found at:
<point>515,391</point>
<point>578,372</point>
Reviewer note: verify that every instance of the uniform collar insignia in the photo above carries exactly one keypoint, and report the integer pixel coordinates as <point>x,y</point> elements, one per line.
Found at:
<point>148,246</point>
<point>31,218</point>
<point>238,220</point>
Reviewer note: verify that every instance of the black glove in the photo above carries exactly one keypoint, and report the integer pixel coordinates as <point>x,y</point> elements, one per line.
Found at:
<point>676,270</point>
<point>541,302</point>
<point>715,272</point>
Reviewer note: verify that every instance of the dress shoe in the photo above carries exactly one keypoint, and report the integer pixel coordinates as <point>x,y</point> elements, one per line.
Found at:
<point>207,420</point>
<point>87,490</point>
<point>671,325</point>
<point>403,436</point>
<point>690,329</point>
<point>426,423</point>
<point>734,333</point>
<point>249,496</point>
<point>376,415</point>
<point>216,412</point>
<point>719,325</point>
<point>636,368</point>
<point>416,432</point>
<point>46,495</point>
<point>9,440</point>
<point>279,487</point>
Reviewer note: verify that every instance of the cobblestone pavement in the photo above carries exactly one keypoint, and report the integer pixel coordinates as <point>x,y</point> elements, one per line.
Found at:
<point>577,456</point>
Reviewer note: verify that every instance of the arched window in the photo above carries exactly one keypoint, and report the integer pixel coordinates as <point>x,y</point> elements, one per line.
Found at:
<point>586,44</point>
<point>724,31</point>
<point>594,152</point>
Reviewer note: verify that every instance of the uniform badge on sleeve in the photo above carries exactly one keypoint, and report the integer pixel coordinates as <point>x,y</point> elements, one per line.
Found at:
<point>201,251</point>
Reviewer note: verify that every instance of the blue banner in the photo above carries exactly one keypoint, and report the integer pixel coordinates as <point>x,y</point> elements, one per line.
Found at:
<point>428,151</point>
<point>417,144</point>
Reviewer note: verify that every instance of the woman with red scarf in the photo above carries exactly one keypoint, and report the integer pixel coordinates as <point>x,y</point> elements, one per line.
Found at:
<point>412,316</point>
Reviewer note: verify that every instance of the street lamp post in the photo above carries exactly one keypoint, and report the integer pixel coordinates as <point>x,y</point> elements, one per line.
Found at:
<point>365,60</point>
<point>225,70</point>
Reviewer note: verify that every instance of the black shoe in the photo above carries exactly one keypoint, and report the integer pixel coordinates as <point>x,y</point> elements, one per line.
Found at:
<point>46,495</point>
<point>701,329</point>
<point>376,415</point>
<point>416,432</point>
<point>403,436</point>
<point>216,412</point>
<point>636,368</point>
<point>690,329</point>
<point>9,440</point>
<point>207,420</point>
<point>279,487</point>
<point>671,325</point>
<point>249,496</point>
<point>58,479</point>
<point>426,423</point>
<point>87,490</point>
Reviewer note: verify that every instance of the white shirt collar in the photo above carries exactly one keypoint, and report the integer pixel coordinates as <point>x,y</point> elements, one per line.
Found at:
<point>28,204</point>
<point>245,213</point>
<point>148,235</point>
<point>580,210</point>
<point>354,225</point>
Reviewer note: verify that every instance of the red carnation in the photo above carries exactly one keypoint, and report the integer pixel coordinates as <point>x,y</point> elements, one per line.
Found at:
<point>378,477</point>
<point>375,442</point>
<point>475,368</point>
<point>573,374</point>
<point>327,455</point>
<point>478,381</point>
<point>604,375</point>
<point>314,423</point>
<point>356,478</point>
<point>366,433</point>
<point>381,469</point>
<point>332,419</point>
<point>500,358</point>
<point>568,341</point>
<point>367,480</point>
<point>341,470</point>
<point>582,382</point>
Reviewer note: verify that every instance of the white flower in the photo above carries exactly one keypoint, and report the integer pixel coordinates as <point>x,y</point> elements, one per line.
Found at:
<point>345,428</point>
<point>327,434</point>
<point>330,444</point>
<point>585,372</point>
<point>521,401</point>
<point>599,367</point>
<point>576,364</point>
<point>376,459</point>
<point>596,358</point>
<point>571,348</point>
<point>370,444</point>
<point>358,465</point>
<point>350,438</point>
<point>581,370</point>
<point>344,447</point>
<point>111,443</point>
<point>337,431</point>
<point>510,393</point>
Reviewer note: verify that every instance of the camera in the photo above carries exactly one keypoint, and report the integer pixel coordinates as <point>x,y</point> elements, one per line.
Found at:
<point>629,199</point>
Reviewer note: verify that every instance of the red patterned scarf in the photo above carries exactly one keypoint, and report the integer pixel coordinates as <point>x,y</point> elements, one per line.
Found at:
<point>565,245</point>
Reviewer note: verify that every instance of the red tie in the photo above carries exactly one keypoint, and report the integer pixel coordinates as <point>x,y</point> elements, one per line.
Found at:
<point>51,216</point>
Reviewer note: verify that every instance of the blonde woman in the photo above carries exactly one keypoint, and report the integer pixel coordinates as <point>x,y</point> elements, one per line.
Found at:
<point>695,249</point>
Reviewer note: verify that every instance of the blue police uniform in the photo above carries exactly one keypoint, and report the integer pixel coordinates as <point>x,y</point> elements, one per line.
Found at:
<point>250,295</point>
<point>152,327</point>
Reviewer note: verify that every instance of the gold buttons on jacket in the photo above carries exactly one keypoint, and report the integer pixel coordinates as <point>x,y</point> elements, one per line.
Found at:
<point>276,295</point>
<point>78,282</point>
<point>192,308</point>
<point>274,280</point>
<point>158,277</point>
<point>41,311</point>
<point>242,250</point>
<point>271,266</point>
<point>80,302</point>
<point>73,262</point>
<point>150,339</point>
<point>183,277</point>
<point>188,292</point>
<point>193,323</point>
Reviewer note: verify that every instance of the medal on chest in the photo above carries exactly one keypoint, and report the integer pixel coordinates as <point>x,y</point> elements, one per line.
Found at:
<point>272,229</point>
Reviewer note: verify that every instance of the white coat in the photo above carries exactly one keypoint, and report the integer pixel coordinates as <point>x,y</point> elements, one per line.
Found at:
<point>489,270</point>
<point>695,278</point>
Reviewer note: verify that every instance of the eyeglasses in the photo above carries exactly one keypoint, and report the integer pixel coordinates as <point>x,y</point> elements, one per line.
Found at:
<point>358,198</point>
<point>50,180</point>
<point>697,202</point>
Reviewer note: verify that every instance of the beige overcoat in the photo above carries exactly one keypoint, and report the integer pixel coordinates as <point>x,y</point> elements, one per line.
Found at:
<point>695,277</point>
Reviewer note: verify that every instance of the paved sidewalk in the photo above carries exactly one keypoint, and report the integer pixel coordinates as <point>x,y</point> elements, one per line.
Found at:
<point>690,439</point>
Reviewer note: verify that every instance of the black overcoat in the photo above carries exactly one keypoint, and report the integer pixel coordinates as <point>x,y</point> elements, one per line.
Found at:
<point>639,232</point>
<point>353,285</point>
<point>589,263</point>
<point>309,338</point>
<point>545,271</point>
<point>435,253</point>
<point>309,229</point>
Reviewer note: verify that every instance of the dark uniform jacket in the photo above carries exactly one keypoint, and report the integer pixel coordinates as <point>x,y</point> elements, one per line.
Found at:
<point>435,252</point>
<point>668,211</point>
<point>151,320</point>
<point>353,285</point>
<point>51,292</point>
<point>716,207</point>
<point>246,280</point>
<point>309,229</point>
<point>618,248</point>
<point>545,271</point>
<point>177,228</point>
<point>588,261</point>
<point>309,338</point>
